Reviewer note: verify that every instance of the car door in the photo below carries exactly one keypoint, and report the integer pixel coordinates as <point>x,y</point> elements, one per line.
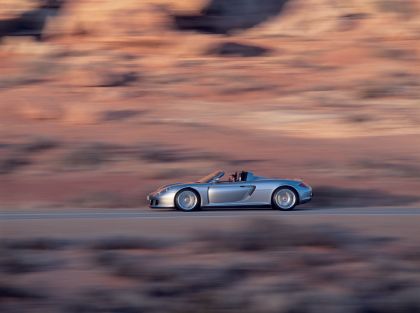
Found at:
<point>231,192</point>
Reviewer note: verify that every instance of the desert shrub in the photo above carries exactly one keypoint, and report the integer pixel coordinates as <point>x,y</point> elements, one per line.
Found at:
<point>402,7</point>
<point>143,267</point>
<point>237,49</point>
<point>224,17</point>
<point>117,115</point>
<point>12,164</point>
<point>117,79</point>
<point>35,244</point>
<point>359,118</point>
<point>399,168</point>
<point>8,291</point>
<point>266,235</point>
<point>104,199</point>
<point>406,301</point>
<point>127,243</point>
<point>397,54</point>
<point>154,153</point>
<point>90,155</point>
<point>168,154</point>
<point>21,263</point>
<point>262,266</point>
<point>379,91</point>
<point>39,145</point>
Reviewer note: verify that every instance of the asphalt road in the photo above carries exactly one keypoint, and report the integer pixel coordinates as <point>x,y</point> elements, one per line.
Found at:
<point>403,223</point>
<point>145,213</point>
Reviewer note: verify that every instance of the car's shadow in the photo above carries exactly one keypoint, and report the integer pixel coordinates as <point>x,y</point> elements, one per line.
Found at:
<point>254,208</point>
<point>265,208</point>
<point>244,209</point>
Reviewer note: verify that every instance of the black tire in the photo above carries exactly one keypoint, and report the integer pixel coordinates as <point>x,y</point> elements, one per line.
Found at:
<point>178,202</point>
<point>289,191</point>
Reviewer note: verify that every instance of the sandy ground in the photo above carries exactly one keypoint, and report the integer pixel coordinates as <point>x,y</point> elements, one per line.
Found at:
<point>105,108</point>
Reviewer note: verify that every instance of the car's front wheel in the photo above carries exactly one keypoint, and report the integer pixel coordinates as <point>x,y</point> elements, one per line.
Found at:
<point>284,198</point>
<point>187,200</point>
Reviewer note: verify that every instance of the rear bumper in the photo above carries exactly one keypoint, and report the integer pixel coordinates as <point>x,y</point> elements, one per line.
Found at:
<point>306,197</point>
<point>305,201</point>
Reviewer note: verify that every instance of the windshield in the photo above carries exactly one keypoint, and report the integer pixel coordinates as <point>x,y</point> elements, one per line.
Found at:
<point>210,177</point>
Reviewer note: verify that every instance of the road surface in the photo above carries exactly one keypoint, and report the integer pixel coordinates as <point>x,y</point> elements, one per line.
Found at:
<point>215,213</point>
<point>394,222</point>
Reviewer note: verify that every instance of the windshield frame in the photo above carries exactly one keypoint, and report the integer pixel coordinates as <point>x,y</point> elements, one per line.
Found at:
<point>212,177</point>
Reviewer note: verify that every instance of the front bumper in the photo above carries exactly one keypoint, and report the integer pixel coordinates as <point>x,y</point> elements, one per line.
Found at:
<point>165,200</point>
<point>153,201</point>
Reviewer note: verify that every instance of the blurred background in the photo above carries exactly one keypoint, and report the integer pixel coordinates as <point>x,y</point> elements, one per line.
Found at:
<point>103,101</point>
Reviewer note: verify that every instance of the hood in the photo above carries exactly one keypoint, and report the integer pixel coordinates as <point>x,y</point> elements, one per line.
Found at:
<point>171,185</point>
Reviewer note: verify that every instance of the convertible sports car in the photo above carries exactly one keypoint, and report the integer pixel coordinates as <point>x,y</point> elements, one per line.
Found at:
<point>240,190</point>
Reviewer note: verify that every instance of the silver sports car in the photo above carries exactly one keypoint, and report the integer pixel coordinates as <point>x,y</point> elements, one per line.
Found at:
<point>239,190</point>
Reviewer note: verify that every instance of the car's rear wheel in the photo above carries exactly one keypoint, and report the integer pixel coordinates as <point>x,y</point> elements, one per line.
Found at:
<point>187,200</point>
<point>284,198</point>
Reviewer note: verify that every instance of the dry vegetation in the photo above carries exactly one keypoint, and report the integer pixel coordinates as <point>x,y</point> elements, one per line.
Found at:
<point>130,95</point>
<point>262,266</point>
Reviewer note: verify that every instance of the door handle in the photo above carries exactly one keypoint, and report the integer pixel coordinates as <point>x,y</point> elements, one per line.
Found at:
<point>244,186</point>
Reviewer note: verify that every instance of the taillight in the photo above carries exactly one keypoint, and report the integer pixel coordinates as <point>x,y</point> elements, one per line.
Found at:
<point>302,184</point>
